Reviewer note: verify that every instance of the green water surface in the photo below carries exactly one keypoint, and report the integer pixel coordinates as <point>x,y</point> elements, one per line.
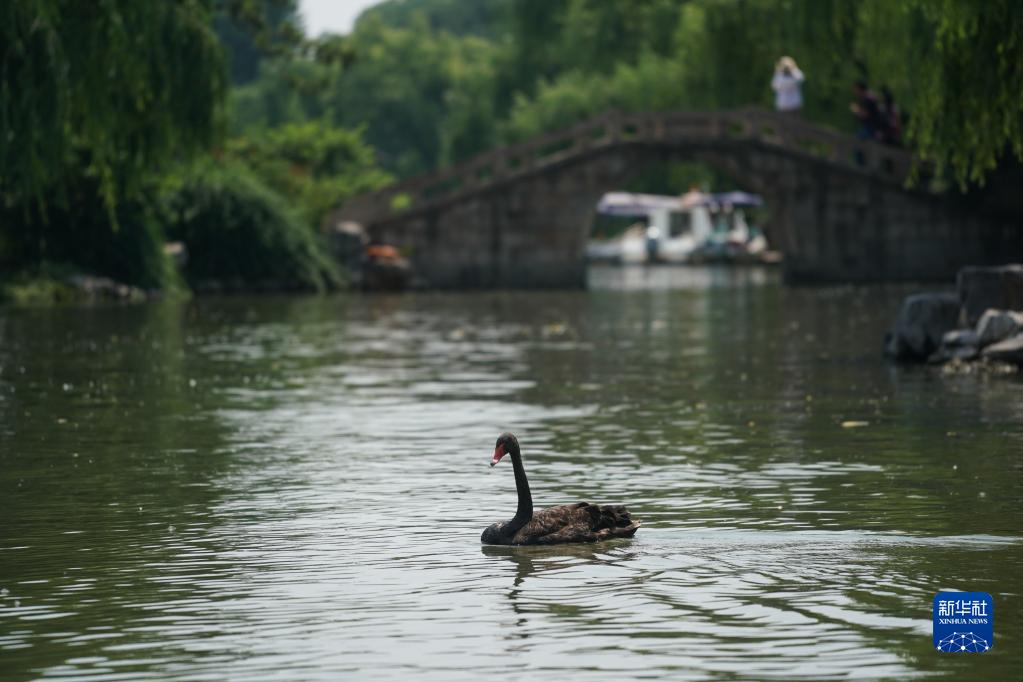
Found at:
<point>294,488</point>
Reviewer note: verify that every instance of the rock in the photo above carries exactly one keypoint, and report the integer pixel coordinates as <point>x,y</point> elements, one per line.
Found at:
<point>995,325</point>
<point>958,344</point>
<point>97,288</point>
<point>960,337</point>
<point>980,288</point>
<point>922,324</point>
<point>1007,350</point>
<point>949,353</point>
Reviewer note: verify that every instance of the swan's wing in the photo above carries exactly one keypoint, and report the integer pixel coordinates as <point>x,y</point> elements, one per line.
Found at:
<point>580,522</point>
<point>567,535</point>
<point>553,520</point>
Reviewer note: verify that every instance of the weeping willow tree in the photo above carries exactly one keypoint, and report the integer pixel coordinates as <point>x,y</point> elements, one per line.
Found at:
<point>96,98</point>
<point>109,88</point>
<point>969,100</point>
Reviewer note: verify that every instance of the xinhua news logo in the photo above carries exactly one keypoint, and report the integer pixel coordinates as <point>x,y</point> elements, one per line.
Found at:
<point>964,622</point>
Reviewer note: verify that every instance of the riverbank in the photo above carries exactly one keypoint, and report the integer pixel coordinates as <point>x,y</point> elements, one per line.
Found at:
<point>69,287</point>
<point>55,285</point>
<point>76,288</point>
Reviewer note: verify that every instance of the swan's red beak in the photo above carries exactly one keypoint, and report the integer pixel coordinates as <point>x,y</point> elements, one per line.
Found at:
<point>498,454</point>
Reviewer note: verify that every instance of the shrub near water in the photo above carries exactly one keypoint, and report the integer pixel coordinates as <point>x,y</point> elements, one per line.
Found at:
<point>242,235</point>
<point>78,231</point>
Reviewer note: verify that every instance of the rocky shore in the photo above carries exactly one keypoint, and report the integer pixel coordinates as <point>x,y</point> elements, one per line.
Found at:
<point>58,288</point>
<point>981,322</point>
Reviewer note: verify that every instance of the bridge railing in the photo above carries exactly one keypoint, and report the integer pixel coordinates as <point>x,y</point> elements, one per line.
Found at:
<point>505,164</point>
<point>793,134</point>
<point>489,168</point>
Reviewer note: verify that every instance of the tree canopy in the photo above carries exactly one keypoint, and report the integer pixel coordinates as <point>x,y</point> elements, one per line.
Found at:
<point>484,18</point>
<point>112,116</point>
<point>969,96</point>
<point>112,88</point>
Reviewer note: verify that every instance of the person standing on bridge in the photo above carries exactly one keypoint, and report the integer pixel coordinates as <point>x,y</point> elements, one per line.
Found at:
<point>867,110</point>
<point>788,86</point>
<point>891,116</point>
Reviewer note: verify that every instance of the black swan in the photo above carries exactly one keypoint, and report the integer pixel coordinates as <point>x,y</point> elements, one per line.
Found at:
<point>579,522</point>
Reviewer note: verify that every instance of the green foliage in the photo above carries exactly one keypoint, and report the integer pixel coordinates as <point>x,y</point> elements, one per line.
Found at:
<point>402,87</point>
<point>600,36</point>
<point>44,284</point>
<point>554,37</point>
<point>286,92</point>
<point>108,89</point>
<point>96,100</point>
<point>421,98</point>
<point>78,231</point>
<point>578,96</point>
<point>241,235</point>
<point>313,164</point>
<point>484,18</point>
<point>251,30</point>
<point>969,99</point>
<point>99,100</point>
<point>54,283</point>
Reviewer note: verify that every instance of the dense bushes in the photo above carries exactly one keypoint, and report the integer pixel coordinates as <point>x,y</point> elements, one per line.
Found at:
<point>241,235</point>
<point>102,90</point>
<point>315,165</point>
<point>251,221</point>
<point>80,232</point>
<point>100,111</point>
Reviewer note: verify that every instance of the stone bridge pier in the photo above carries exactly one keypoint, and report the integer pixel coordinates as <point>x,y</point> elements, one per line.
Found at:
<point>520,217</point>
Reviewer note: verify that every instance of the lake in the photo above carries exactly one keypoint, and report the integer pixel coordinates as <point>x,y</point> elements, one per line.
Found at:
<point>295,487</point>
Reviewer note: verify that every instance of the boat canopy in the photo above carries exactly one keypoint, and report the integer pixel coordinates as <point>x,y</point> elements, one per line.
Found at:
<point>628,203</point>
<point>735,199</point>
<point>633,204</point>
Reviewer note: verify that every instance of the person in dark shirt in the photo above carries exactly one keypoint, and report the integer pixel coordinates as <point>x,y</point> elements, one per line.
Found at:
<point>867,111</point>
<point>892,131</point>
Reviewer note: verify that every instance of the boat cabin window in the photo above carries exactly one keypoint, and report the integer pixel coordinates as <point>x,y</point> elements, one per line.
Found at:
<point>681,223</point>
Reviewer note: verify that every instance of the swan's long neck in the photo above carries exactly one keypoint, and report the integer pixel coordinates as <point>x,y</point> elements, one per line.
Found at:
<point>525,510</point>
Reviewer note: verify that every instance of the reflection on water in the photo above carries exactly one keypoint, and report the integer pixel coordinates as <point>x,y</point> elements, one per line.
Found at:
<point>654,277</point>
<point>250,488</point>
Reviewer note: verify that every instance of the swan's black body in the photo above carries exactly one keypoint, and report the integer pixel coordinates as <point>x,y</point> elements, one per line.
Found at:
<point>579,522</point>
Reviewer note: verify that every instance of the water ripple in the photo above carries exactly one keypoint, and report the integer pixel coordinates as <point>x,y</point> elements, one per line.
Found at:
<point>295,488</point>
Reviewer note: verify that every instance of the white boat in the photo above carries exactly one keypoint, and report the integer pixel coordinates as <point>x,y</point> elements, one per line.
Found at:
<point>694,226</point>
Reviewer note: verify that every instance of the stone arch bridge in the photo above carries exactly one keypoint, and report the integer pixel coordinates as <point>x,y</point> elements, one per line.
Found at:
<point>520,216</point>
